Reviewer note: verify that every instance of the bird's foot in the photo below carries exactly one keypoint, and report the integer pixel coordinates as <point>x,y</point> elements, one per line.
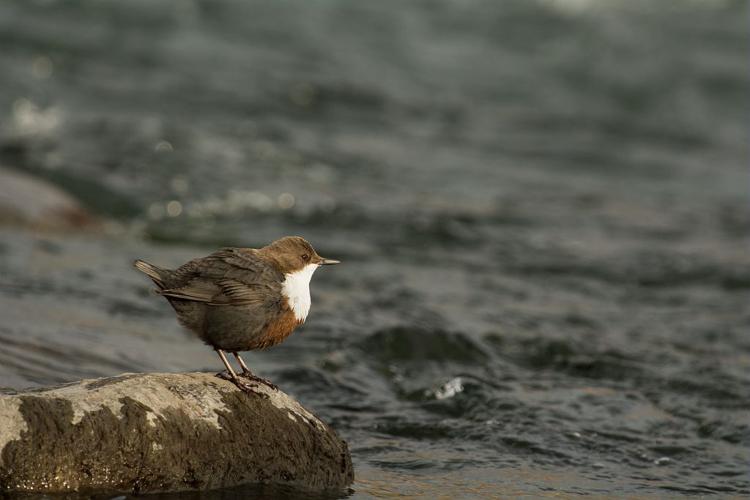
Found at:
<point>251,376</point>
<point>241,384</point>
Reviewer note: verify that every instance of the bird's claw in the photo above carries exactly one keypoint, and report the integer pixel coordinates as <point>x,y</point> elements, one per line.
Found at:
<point>260,380</point>
<point>241,385</point>
<point>253,379</point>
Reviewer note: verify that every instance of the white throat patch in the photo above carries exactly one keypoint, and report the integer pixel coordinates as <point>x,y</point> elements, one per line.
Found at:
<point>296,288</point>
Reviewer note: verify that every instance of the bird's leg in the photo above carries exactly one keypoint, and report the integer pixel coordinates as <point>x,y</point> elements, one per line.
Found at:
<point>232,376</point>
<point>245,369</point>
<point>248,374</point>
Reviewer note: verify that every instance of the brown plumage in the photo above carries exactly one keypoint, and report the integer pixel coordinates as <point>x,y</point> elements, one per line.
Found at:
<point>240,299</point>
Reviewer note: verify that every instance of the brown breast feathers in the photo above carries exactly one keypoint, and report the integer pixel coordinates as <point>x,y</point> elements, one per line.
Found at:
<point>277,330</point>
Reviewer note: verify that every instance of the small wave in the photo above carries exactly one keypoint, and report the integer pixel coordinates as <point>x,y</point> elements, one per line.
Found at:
<point>416,344</point>
<point>574,357</point>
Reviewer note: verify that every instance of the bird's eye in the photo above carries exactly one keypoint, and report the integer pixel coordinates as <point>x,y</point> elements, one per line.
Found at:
<point>305,257</point>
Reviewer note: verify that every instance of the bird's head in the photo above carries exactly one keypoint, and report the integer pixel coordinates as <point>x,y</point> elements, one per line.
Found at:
<point>293,254</point>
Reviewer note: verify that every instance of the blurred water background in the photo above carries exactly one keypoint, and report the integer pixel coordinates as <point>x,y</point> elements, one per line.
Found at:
<point>541,206</point>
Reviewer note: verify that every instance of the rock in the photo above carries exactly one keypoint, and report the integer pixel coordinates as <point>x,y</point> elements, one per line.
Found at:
<point>32,202</point>
<point>163,432</point>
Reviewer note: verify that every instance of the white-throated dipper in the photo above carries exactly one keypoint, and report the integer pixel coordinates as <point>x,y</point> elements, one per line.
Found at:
<point>242,299</point>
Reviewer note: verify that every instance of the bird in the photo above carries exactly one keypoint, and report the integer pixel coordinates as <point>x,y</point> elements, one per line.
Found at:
<point>241,299</point>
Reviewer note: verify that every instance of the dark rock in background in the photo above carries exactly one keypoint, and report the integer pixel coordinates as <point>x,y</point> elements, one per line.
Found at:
<point>32,202</point>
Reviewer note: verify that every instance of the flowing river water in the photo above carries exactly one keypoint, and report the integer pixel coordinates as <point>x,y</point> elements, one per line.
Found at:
<point>541,208</point>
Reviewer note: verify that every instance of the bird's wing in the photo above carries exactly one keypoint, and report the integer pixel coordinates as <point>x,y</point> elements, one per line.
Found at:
<point>196,290</point>
<point>231,276</point>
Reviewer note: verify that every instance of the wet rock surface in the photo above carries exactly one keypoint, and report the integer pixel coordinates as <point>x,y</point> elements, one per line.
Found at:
<point>164,432</point>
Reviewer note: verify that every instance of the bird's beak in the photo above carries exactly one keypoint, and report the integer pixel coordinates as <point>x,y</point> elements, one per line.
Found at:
<point>328,262</point>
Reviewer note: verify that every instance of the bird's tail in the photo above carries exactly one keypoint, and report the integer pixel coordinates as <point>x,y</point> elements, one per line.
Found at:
<point>157,274</point>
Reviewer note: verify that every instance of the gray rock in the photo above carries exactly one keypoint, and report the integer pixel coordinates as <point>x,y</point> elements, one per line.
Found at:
<point>163,432</point>
<point>32,202</point>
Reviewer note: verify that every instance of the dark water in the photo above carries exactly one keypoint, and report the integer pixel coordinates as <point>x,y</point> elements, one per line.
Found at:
<point>542,209</point>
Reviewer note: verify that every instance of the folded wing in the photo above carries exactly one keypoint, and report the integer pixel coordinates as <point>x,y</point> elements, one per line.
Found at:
<point>231,276</point>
